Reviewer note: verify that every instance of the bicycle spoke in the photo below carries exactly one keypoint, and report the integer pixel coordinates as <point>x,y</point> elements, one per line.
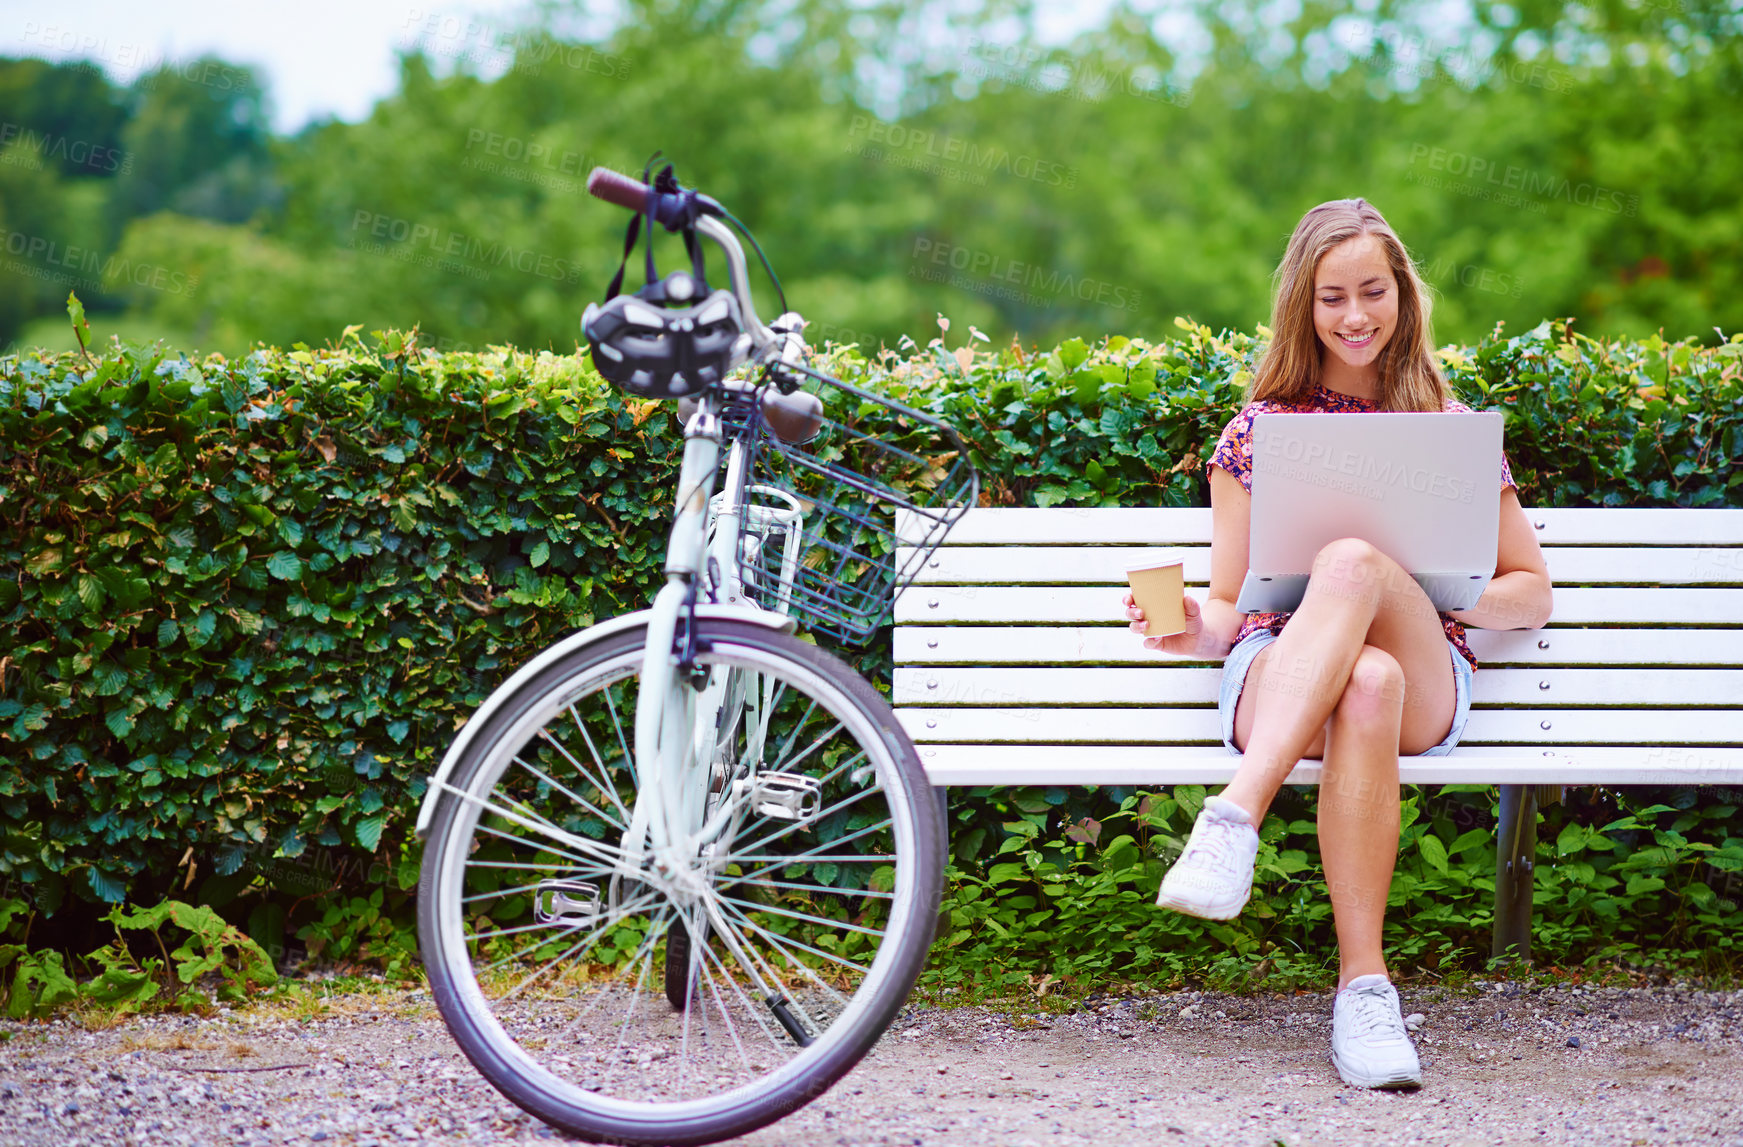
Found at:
<point>810,857</point>
<point>653,935</point>
<point>781,942</point>
<point>792,915</point>
<point>690,989</point>
<point>543,828</point>
<point>791,764</point>
<point>521,840</point>
<point>600,813</point>
<point>617,723</point>
<point>726,1024</point>
<point>775,984</point>
<point>553,867</point>
<point>601,781</point>
<point>499,893</point>
<point>801,945</point>
<point>750,1009</point>
<point>826,888</point>
<point>634,999</point>
<point>780,691</point>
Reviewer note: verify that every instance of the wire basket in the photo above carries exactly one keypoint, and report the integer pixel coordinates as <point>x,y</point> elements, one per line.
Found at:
<point>835,528</point>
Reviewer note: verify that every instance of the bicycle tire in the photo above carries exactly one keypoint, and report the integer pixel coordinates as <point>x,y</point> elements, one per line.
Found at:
<point>842,967</point>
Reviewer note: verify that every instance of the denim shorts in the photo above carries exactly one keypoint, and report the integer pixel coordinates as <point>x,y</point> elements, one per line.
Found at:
<point>1240,659</point>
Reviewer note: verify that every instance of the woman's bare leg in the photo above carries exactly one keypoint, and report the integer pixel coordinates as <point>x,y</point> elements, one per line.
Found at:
<point>1366,676</point>
<point>1358,809</point>
<point>1356,596</point>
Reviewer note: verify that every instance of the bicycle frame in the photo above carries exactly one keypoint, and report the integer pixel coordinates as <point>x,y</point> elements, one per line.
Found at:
<point>689,801</point>
<point>661,725</point>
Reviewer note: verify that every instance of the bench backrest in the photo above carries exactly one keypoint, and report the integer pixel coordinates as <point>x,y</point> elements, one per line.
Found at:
<point>1013,664</point>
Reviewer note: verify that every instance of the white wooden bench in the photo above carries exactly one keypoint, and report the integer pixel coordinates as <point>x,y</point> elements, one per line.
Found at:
<point>1014,666</point>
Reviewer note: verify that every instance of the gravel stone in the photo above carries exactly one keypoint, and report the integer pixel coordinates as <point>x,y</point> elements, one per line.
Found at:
<point>1504,1063</point>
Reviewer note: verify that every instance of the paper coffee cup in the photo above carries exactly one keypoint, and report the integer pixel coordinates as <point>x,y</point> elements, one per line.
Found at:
<point>1159,587</point>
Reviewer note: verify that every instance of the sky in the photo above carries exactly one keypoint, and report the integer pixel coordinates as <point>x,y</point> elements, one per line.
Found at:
<point>318,58</point>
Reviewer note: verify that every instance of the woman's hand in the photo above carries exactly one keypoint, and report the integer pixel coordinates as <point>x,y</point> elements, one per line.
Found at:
<point>1185,644</point>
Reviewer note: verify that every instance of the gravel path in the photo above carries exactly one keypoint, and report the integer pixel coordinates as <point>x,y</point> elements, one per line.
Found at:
<point>1660,1065</point>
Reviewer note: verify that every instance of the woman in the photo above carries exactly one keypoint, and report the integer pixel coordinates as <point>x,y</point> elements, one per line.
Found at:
<point>1365,669</point>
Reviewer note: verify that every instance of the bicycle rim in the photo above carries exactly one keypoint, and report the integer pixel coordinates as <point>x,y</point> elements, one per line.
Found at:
<point>807,920</point>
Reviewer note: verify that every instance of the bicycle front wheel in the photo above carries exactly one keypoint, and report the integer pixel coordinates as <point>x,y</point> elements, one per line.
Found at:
<point>785,942</point>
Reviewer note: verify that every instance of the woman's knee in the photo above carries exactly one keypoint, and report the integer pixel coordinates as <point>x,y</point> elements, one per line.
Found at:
<point>1375,690</point>
<point>1350,567</point>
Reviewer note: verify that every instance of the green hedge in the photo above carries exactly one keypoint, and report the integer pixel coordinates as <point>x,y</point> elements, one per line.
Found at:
<point>244,604</point>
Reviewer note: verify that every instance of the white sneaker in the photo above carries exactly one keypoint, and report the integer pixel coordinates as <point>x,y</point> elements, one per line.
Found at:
<point>1369,1045</point>
<point>1214,876</point>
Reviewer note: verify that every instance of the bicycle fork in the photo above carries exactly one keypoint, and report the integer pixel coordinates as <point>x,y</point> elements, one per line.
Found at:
<point>665,714</point>
<point>666,832</point>
<point>673,750</point>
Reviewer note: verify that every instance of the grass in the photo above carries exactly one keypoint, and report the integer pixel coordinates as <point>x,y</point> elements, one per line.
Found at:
<point>1046,995</point>
<point>356,991</point>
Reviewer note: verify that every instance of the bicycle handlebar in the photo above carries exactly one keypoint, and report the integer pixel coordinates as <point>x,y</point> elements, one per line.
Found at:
<point>674,211</point>
<point>628,192</point>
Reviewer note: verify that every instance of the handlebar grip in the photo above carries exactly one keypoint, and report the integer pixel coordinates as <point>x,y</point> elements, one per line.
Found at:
<point>670,211</point>
<point>615,187</point>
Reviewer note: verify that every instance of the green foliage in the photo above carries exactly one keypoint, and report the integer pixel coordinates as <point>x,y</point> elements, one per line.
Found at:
<point>246,603</point>
<point>39,982</point>
<point>375,926</point>
<point>211,947</point>
<point>81,158</point>
<point>1040,892</point>
<point>1548,159</point>
<point>124,982</point>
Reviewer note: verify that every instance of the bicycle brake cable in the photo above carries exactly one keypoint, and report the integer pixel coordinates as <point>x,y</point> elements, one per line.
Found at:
<point>780,293</point>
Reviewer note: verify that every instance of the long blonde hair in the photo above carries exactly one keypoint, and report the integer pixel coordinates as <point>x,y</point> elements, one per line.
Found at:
<point>1409,378</point>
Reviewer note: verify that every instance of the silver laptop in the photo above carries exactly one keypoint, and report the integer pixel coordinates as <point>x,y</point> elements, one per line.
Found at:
<point>1424,488</point>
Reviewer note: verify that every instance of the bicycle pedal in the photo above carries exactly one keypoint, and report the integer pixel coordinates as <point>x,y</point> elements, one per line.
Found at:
<point>786,796</point>
<point>565,902</point>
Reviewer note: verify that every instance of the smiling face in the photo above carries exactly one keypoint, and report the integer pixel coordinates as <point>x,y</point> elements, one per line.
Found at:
<point>1355,310</point>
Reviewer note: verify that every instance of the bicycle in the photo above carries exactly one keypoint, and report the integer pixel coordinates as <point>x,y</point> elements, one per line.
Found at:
<point>682,869</point>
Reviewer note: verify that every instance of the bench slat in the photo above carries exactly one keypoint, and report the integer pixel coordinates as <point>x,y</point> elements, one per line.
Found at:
<point>1188,685</point>
<point>1182,725</point>
<point>1059,645</point>
<point>1014,595</point>
<point>1080,604</point>
<point>1104,565</point>
<point>1152,767</point>
<point>1169,526</point>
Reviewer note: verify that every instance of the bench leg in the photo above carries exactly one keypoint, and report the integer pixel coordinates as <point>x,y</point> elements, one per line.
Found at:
<point>1515,848</point>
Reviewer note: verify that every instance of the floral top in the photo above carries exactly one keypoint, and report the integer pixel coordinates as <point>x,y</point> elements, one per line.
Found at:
<point>1234,453</point>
